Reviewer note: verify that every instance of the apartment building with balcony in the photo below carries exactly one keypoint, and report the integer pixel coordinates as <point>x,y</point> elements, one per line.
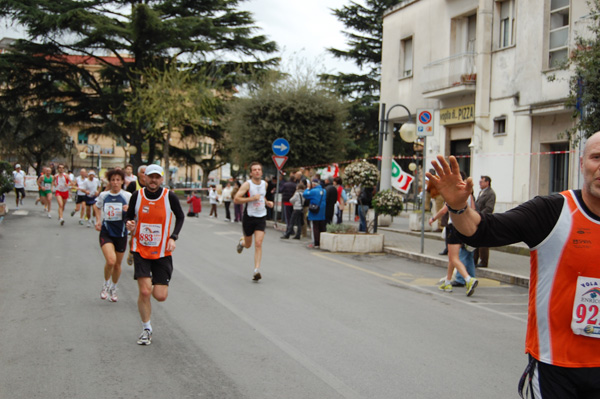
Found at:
<point>490,71</point>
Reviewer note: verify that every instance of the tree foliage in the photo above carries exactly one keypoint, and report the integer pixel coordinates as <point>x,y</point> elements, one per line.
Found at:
<point>308,116</point>
<point>170,99</point>
<point>137,34</point>
<point>364,25</point>
<point>584,83</point>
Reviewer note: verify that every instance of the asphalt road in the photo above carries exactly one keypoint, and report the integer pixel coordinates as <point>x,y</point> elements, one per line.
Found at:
<point>319,325</point>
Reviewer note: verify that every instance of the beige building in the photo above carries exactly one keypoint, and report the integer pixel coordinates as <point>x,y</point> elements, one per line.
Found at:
<point>484,67</point>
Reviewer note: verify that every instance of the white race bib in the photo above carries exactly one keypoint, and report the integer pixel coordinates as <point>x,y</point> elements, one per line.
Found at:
<point>150,234</point>
<point>586,307</point>
<point>113,211</point>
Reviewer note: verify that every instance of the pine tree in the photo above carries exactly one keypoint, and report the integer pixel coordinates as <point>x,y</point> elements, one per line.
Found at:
<point>138,35</point>
<point>364,25</point>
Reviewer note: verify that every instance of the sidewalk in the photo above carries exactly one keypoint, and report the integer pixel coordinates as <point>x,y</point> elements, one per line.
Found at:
<point>508,264</point>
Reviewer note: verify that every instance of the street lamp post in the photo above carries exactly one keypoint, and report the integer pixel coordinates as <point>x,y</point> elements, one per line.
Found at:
<point>406,131</point>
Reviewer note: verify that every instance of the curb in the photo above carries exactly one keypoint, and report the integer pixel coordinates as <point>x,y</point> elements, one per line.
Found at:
<point>515,249</point>
<point>502,277</point>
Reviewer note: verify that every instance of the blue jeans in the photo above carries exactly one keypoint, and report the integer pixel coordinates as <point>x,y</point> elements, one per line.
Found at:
<point>362,215</point>
<point>466,258</point>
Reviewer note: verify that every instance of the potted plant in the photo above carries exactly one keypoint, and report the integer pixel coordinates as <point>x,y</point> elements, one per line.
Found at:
<point>387,204</point>
<point>360,175</point>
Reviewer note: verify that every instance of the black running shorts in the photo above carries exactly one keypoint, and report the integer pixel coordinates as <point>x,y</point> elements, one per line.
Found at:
<point>20,191</point>
<point>451,235</point>
<point>251,224</point>
<point>160,270</point>
<point>120,243</point>
<point>80,198</point>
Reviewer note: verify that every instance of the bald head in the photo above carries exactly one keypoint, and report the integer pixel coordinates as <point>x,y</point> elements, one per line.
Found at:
<point>591,142</point>
<point>590,168</point>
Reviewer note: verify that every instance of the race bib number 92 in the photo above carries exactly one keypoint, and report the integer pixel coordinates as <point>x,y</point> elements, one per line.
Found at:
<point>586,307</point>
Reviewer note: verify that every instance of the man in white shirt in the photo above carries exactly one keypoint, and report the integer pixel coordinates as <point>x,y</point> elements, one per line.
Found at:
<point>19,181</point>
<point>79,184</point>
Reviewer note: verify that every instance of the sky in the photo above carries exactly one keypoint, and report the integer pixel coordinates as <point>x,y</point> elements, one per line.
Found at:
<point>306,28</point>
<point>303,30</point>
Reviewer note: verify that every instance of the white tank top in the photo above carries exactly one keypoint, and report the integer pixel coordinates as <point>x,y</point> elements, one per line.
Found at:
<point>257,209</point>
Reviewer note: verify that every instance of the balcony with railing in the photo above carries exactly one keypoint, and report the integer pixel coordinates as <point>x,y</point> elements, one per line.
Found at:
<point>452,76</point>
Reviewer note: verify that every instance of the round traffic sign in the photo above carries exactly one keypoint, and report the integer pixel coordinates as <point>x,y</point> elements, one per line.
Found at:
<point>425,117</point>
<point>281,147</point>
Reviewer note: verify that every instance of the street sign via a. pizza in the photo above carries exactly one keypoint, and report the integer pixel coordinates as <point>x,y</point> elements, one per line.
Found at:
<point>424,122</point>
<point>279,161</point>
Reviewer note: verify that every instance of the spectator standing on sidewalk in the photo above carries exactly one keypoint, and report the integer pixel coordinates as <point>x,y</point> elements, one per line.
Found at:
<point>226,195</point>
<point>562,231</point>
<point>318,198</point>
<point>332,195</point>
<point>297,201</point>
<point>213,200</point>
<point>237,208</point>
<point>287,190</point>
<point>486,201</point>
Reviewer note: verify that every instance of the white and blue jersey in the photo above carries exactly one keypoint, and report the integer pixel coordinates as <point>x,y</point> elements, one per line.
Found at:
<point>113,215</point>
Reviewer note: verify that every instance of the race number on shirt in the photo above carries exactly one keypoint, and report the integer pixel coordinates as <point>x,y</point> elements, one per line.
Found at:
<point>113,211</point>
<point>150,234</point>
<point>586,307</point>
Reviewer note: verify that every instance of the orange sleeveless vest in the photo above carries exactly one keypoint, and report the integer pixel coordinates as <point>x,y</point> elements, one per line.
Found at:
<point>153,225</point>
<point>563,325</point>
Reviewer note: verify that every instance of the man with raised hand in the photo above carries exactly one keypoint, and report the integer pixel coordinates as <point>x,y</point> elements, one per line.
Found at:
<point>563,231</point>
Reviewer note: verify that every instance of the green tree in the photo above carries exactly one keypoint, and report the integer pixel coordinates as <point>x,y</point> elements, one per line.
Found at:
<point>364,25</point>
<point>308,116</point>
<point>170,99</point>
<point>138,34</point>
<point>584,83</point>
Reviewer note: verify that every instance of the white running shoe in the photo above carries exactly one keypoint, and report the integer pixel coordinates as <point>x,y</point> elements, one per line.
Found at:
<point>62,222</point>
<point>104,293</point>
<point>49,216</point>
<point>113,295</point>
<point>240,246</point>
<point>145,337</point>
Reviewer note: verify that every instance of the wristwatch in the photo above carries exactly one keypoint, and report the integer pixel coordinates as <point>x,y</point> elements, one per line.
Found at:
<point>456,212</point>
<point>174,236</point>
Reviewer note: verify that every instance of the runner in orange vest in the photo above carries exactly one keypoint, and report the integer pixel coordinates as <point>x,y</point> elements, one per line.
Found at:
<point>563,232</point>
<point>149,219</point>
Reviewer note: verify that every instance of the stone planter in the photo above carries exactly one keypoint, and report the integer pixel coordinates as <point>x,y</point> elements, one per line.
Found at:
<point>382,220</point>
<point>361,243</point>
<point>414,222</point>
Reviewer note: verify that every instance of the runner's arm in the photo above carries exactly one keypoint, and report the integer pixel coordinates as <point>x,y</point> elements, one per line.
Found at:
<point>177,211</point>
<point>240,196</point>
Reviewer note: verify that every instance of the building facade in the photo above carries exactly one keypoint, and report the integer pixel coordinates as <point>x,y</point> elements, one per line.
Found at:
<point>490,70</point>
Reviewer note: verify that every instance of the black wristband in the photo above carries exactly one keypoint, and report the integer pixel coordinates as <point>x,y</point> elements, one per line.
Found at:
<point>456,212</point>
<point>174,237</point>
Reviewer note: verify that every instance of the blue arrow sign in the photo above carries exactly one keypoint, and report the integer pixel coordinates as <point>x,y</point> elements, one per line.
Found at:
<point>281,147</point>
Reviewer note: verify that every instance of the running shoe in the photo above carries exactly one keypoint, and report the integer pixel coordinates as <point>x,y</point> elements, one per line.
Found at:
<point>471,286</point>
<point>256,276</point>
<point>145,338</point>
<point>445,287</point>
<point>130,259</point>
<point>104,293</point>
<point>72,213</point>
<point>113,295</point>
<point>240,245</point>
<point>62,222</point>
<point>81,222</point>
<point>89,224</point>
<point>49,216</point>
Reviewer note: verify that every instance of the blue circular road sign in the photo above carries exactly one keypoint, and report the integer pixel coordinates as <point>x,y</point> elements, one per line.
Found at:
<point>281,147</point>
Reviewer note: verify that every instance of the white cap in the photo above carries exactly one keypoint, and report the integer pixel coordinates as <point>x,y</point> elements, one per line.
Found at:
<point>17,166</point>
<point>152,169</point>
<point>91,172</point>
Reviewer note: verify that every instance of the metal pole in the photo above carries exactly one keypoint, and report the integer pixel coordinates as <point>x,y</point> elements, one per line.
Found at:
<point>382,130</point>
<point>275,199</point>
<point>423,200</point>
